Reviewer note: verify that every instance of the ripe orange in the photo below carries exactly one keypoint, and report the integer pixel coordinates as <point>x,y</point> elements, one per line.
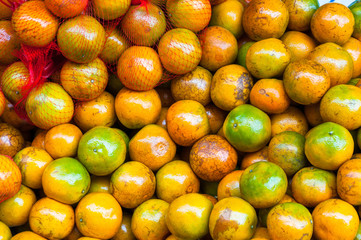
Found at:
<point>299,44</point>
<point>74,235</point>
<point>28,236</point>
<point>253,157</point>
<point>162,121</point>
<point>5,12</point>
<point>3,103</point>
<point>353,47</point>
<point>313,115</point>
<point>165,95</point>
<point>261,233</point>
<point>11,140</point>
<point>349,181</point>
<point>115,45</point>
<point>11,117</point>
<point>301,13</point>
<point>216,117</point>
<point>125,231</point>
<point>99,184</point>
<point>5,233</point>
<point>229,185</point>
<point>66,9</point>
<point>10,178</point>
<point>39,139</point>
<point>110,9</point>
<point>9,43</point>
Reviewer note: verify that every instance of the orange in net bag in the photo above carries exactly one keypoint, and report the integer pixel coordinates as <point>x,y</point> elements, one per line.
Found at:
<point>10,178</point>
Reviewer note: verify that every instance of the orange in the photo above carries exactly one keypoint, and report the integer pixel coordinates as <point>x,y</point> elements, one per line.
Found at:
<point>223,226</point>
<point>175,179</point>
<point>65,135</point>
<point>34,24</point>
<point>99,184</point>
<point>49,105</point>
<point>39,140</point>
<point>132,184</point>
<point>191,14</point>
<point>301,13</point>
<point>125,231</point>
<point>84,81</point>
<point>335,219</point>
<point>358,236</point>
<point>73,40</point>
<point>265,19</point>
<point>195,85</point>
<point>148,220</point>
<point>5,233</point>
<point>5,12</point>
<point>162,121</point>
<point>66,9</point>
<point>115,44</point>
<point>229,185</point>
<point>187,122</point>
<point>74,235</point>
<point>165,95</point>
<point>285,219</point>
<point>212,199</point>
<point>349,181</point>
<point>149,22</point>
<point>98,215</point>
<point>332,22</point>
<point>124,136</point>
<point>216,117</point>
<point>180,50</point>
<point>152,146</point>
<point>3,103</point>
<point>242,53</point>
<point>270,96</point>
<point>231,87</point>
<point>355,9</point>
<point>353,47</point>
<point>101,150</point>
<point>299,44</point>
<point>9,43</point>
<point>247,128</point>
<point>313,115</point>
<point>342,105</point>
<point>11,140</point>
<point>253,157</point>
<point>11,117</point>
<point>212,158</point>
<point>111,9</point>
<point>88,238</point>
<point>261,233</point>
<point>139,68</point>
<point>219,48</point>
<point>15,211</point>
<point>188,216</point>
<point>28,236</point>
<point>51,219</point>
<point>336,60</point>
<point>97,112</point>
<point>328,146</point>
<point>32,162</point>
<point>70,177</point>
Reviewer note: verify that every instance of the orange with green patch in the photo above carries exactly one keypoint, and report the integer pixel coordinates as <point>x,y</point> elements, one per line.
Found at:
<point>110,9</point>
<point>301,13</point>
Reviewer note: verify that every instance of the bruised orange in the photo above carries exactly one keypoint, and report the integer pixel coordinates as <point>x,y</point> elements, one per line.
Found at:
<point>66,9</point>
<point>110,9</point>
<point>115,44</point>
<point>299,44</point>
<point>9,43</point>
<point>11,140</point>
<point>349,181</point>
<point>229,185</point>
<point>301,13</point>
<point>216,117</point>
<point>253,157</point>
<point>353,47</point>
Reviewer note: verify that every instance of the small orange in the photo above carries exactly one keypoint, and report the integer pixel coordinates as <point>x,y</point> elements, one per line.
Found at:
<point>115,44</point>
<point>349,181</point>
<point>39,140</point>
<point>125,231</point>
<point>353,47</point>
<point>187,122</point>
<point>313,115</point>
<point>332,22</point>
<point>100,184</point>
<point>301,13</point>
<point>137,109</point>
<point>162,121</point>
<point>139,68</point>
<point>253,157</point>
<point>11,140</point>
<point>270,96</point>
<point>152,146</point>
<point>175,179</point>
<point>179,50</point>
<point>11,117</point>
<point>28,236</point>
<point>5,233</point>
<point>9,43</point>
<point>5,11</point>
<point>231,87</point>
<point>97,112</point>
<point>32,162</point>
<point>216,117</point>
<point>74,235</point>
<point>165,95</point>
<point>335,219</point>
<point>111,9</point>
<point>51,219</point>
<point>65,135</point>
<point>84,81</point>
<point>261,233</point>
<point>66,9</point>
<point>299,44</point>
<point>229,185</point>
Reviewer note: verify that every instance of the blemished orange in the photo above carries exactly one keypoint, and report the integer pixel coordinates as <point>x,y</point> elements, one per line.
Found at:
<point>299,44</point>
<point>115,45</point>
<point>9,43</point>
<point>11,140</point>
<point>51,219</point>
<point>111,9</point>
<point>125,231</point>
<point>216,117</point>
<point>66,9</point>
<point>5,233</point>
<point>98,215</point>
<point>229,185</point>
<point>39,140</point>
<point>349,181</point>
<point>353,47</point>
<point>28,235</point>
<point>100,184</point>
<point>301,13</point>
<point>165,95</point>
<point>253,157</point>
<point>10,176</point>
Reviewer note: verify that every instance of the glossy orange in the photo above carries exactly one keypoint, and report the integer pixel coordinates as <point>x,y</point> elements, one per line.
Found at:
<point>349,181</point>
<point>115,44</point>
<point>301,13</point>
<point>27,235</point>
<point>11,140</point>
<point>100,184</point>
<point>229,185</point>
<point>66,9</point>
<point>253,157</point>
<point>299,44</point>
<point>10,116</point>
<point>110,10</point>
<point>9,43</point>
<point>353,47</point>
<point>5,233</point>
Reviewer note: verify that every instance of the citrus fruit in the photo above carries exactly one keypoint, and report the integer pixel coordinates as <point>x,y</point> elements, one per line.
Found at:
<point>242,53</point>
<point>229,185</point>
<point>11,140</point>
<point>253,157</point>
<point>74,235</point>
<point>355,9</point>
<point>125,231</point>
<point>39,139</point>
<point>216,117</point>
<point>349,181</point>
<point>98,215</point>
<point>5,11</point>
<point>124,136</point>
<point>247,128</point>
<point>27,235</point>
<point>5,233</point>
<point>301,13</point>
<point>9,43</point>
<point>299,44</point>
<point>223,226</point>
<point>11,117</point>
<point>261,233</point>
<point>165,95</point>
<point>358,236</point>
<point>353,47</point>
<point>313,115</point>
<point>162,120</point>
<point>3,103</point>
<point>66,9</point>
<point>101,150</point>
<point>111,9</point>
<point>115,44</point>
<point>100,184</point>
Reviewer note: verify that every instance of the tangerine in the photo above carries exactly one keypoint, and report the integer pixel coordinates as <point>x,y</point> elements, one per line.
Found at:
<point>301,13</point>
<point>229,185</point>
<point>5,233</point>
<point>299,44</point>
<point>11,140</point>
<point>115,44</point>
<point>353,47</point>
<point>125,231</point>
<point>111,9</point>
<point>9,43</point>
<point>349,181</point>
<point>216,117</point>
<point>66,9</point>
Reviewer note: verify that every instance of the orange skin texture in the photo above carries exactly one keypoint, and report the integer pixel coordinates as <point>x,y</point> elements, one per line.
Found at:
<point>84,82</point>
<point>49,105</point>
<point>216,117</point>
<point>137,109</point>
<point>285,219</point>
<point>9,43</point>
<point>34,24</point>
<point>5,12</point>
<point>250,158</point>
<point>212,158</point>
<point>116,43</point>
<point>175,179</point>
<point>311,186</point>
<point>335,219</point>
<point>131,193</point>
<point>332,22</point>
<point>100,184</point>
<point>300,13</point>
<point>73,41</point>
<point>39,140</point>
<point>5,232</point>
<point>349,181</point>
<point>110,9</point>
<point>125,231</point>
<point>51,219</point>
<point>231,87</point>
<point>162,120</point>
<point>298,44</point>
<point>336,60</point>
<point>265,19</point>
<point>166,96</point>
<point>11,140</point>
<point>98,215</point>
<point>187,122</point>
<point>313,115</point>
<point>229,185</point>
<point>261,233</point>
<point>148,220</point>
<point>74,235</point>
<point>3,103</point>
<point>353,47</point>
<point>195,85</point>
<point>28,236</point>
<point>293,119</point>
<point>97,112</point>
<point>15,211</point>
<point>219,48</point>
<point>270,96</point>
<point>32,162</point>
<point>139,68</point>
<point>66,9</point>
<point>180,51</point>
<point>191,14</point>
<point>223,226</point>
<point>210,198</point>
<point>306,81</point>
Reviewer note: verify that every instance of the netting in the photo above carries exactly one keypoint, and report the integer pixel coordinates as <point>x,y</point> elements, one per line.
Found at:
<point>10,178</point>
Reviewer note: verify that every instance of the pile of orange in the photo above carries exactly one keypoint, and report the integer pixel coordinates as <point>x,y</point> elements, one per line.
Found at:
<point>181,119</point>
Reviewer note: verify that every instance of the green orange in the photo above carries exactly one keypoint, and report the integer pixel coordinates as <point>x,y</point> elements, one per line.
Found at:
<point>300,13</point>
<point>355,8</point>
<point>115,45</point>
<point>242,53</point>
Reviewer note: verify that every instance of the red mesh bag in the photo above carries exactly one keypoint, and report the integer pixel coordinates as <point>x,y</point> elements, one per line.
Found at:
<point>10,178</point>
